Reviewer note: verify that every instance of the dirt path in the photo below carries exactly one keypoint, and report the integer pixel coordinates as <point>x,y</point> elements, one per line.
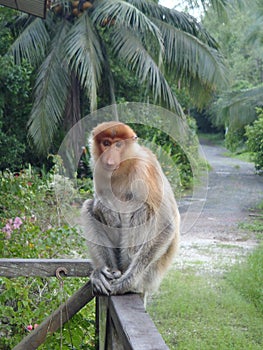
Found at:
<point>211,237</point>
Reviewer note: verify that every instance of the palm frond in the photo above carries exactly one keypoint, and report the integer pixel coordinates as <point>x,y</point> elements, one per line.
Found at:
<point>129,47</point>
<point>51,93</point>
<point>31,44</point>
<point>238,108</point>
<point>175,18</point>
<point>126,15</point>
<point>82,50</point>
<point>190,58</point>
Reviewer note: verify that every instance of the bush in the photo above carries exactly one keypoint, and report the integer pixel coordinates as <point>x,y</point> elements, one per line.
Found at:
<point>31,226</point>
<point>235,139</point>
<point>254,135</point>
<point>15,105</point>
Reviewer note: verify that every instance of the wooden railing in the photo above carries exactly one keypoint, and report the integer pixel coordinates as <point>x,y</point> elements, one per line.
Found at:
<point>122,322</point>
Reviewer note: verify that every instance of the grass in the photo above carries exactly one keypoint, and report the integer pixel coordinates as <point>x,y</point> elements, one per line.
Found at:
<point>196,311</point>
<point>247,277</point>
<point>245,156</point>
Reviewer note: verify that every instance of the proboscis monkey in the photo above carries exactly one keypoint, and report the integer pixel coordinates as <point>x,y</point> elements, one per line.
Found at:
<point>132,223</point>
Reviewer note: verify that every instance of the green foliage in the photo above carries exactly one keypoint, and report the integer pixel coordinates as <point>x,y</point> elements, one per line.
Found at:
<point>235,139</point>
<point>126,84</point>
<point>154,43</point>
<point>32,226</point>
<point>11,151</point>
<point>244,61</point>
<point>28,191</point>
<point>254,134</point>
<point>247,277</point>
<point>15,91</point>
<point>6,16</point>
<point>243,50</point>
<point>30,241</point>
<point>28,301</point>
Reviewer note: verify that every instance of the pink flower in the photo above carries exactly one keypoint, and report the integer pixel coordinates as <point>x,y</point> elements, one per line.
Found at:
<point>36,325</point>
<point>7,229</point>
<point>29,327</point>
<point>17,223</point>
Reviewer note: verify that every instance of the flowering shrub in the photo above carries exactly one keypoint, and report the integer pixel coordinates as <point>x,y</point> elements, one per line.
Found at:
<point>32,227</point>
<point>12,225</point>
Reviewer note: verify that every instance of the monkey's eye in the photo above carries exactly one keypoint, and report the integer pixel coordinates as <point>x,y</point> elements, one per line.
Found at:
<point>119,144</point>
<point>106,143</point>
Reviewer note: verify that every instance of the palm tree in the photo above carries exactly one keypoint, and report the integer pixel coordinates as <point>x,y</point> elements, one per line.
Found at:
<point>71,54</point>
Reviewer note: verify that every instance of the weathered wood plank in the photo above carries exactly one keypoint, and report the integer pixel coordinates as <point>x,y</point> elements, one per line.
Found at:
<point>101,321</point>
<point>130,327</point>
<point>51,324</point>
<point>44,267</point>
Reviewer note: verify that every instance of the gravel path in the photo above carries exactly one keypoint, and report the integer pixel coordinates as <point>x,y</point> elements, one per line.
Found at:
<point>210,235</point>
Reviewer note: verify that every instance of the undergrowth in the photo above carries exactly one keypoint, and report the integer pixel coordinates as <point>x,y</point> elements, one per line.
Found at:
<point>32,225</point>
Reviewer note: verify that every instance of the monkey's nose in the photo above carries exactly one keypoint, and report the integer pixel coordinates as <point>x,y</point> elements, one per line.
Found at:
<point>111,166</point>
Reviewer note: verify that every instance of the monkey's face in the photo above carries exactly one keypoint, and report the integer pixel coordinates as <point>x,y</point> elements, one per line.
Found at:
<point>110,143</point>
<point>112,152</point>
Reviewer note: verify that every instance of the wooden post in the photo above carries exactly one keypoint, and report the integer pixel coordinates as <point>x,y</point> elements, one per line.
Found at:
<point>101,321</point>
<point>51,324</point>
<point>128,326</point>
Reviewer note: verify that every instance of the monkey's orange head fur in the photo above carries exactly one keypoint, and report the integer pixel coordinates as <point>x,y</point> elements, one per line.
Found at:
<point>113,130</point>
<point>109,130</point>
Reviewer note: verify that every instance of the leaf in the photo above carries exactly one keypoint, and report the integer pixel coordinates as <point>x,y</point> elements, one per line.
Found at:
<point>175,18</point>
<point>129,47</point>
<point>52,86</point>
<point>190,58</point>
<point>82,50</point>
<point>32,42</point>
<point>127,15</point>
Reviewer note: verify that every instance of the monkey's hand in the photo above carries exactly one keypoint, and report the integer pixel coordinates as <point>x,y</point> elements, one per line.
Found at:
<point>123,285</point>
<point>100,280</point>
